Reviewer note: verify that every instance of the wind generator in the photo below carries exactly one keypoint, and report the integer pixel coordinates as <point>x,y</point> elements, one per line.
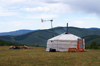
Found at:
<point>51,24</point>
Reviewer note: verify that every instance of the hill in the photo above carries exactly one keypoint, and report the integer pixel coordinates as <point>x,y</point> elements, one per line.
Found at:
<point>40,37</point>
<point>15,33</point>
<point>93,28</point>
<point>89,39</point>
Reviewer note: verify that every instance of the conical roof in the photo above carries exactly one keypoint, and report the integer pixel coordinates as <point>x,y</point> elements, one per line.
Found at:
<point>65,37</point>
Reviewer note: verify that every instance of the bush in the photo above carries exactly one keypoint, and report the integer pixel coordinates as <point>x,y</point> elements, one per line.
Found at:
<point>37,45</point>
<point>94,45</point>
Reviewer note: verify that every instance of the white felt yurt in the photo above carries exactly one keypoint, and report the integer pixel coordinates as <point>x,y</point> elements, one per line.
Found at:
<point>65,41</point>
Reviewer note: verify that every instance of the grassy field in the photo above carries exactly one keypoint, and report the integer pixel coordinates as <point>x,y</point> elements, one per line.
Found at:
<point>38,57</point>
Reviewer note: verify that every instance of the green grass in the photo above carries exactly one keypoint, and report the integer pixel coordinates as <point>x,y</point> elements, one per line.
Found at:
<point>38,57</point>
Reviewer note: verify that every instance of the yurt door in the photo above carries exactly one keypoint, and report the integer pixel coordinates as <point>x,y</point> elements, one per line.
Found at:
<point>80,45</point>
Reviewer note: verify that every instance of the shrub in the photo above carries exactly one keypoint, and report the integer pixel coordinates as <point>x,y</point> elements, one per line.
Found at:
<point>94,45</point>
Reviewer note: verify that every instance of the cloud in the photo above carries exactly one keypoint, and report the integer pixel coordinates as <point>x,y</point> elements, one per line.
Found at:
<point>12,1</point>
<point>57,6</point>
<point>20,2</point>
<point>60,24</point>
<point>48,16</point>
<point>16,24</point>
<point>39,16</point>
<point>37,9</point>
<point>5,12</point>
<point>89,6</point>
<point>81,18</point>
<point>91,17</point>
<point>48,7</point>
<point>12,26</point>
<point>69,19</point>
<point>78,23</point>
<point>52,1</point>
<point>21,10</point>
<point>60,6</point>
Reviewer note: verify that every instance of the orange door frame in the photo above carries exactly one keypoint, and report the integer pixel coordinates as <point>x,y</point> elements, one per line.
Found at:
<point>80,42</point>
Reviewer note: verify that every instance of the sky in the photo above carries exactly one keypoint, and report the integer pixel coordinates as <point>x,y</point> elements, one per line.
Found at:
<point>27,14</point>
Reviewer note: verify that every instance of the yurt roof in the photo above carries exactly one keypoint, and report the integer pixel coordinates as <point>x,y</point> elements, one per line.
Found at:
<point>65,37</point>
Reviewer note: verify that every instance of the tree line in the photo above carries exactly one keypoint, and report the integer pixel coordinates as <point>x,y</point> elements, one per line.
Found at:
<point>5,43</point>
<point>93,45</point>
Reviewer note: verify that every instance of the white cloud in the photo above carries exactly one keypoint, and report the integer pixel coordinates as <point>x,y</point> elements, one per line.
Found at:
<point>5,12</point>
<point>51,8</point>
<point>88,6</point>
<point>90,17</point>
<point>16,24</point>
<point>22,24</point>
<point>60,6</point>
<point>37,9</point>
<point>20,2</point>
<point>39,16</point>
<point>61,24</point>
<point>12,26</point>
<point>70,19</point>
<point>78,22</point>
<point>33,10</point>
<point>48,16</point>
<point>12,1</point>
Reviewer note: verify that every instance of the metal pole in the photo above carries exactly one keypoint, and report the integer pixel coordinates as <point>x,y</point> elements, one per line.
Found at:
<point>51,28</point>
<point>67,28</point>
<point>51,24</point>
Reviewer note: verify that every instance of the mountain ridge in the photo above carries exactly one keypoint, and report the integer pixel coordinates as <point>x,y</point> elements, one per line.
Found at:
<point>17,32</point>
<point>40,37</point>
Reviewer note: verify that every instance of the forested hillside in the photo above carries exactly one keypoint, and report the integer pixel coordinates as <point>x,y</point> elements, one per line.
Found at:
<point>16,33</point>
<point>40,37</point>
<point>91,38</point>
<point>5,43</point>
